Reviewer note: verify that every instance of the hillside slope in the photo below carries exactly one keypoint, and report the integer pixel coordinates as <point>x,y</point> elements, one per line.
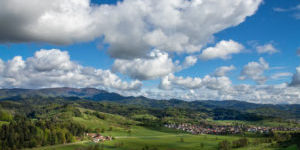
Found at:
<point>269,110</point>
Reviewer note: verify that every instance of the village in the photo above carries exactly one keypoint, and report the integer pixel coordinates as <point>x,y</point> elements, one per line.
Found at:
<point>206,129</point>
<point>226,129</point>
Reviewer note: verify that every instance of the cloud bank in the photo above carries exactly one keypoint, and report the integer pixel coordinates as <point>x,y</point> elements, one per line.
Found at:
<point>131,27</point>
<point>53,68</point>
<point>221,88</point>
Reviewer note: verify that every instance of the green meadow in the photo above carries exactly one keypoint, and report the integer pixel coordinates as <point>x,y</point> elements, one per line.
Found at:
<point>130,134</point>
<point>143,138</point>
<point>135,137</point>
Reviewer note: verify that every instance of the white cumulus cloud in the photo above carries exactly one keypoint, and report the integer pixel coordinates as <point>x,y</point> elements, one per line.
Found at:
<point>264,94</point>
<point>267,48</point>
<point>190,61</point>
<point>171,81</point>
<point>157,64</point>
<point>209,82</point>
<point>53,68</point>
<point>296,78</point>
<point>131,28</point>
<point>222,71</point>
<point>222,50</point>
<point>255,71</point>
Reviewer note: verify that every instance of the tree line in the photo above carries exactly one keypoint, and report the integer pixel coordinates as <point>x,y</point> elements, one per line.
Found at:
<point>23,132</point>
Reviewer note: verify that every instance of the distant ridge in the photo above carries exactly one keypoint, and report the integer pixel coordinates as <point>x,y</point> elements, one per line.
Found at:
<point>85,93</point>
<point>98,95</point>
<point>279,110</point>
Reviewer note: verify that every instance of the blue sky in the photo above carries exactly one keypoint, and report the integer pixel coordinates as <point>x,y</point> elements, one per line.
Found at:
<point>263,26</point>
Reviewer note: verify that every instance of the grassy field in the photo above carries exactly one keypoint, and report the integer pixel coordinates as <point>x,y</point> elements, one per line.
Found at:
<point>171,142</point>
<point>113,125</point>
<point>161,140</point>
<point>129,136</point>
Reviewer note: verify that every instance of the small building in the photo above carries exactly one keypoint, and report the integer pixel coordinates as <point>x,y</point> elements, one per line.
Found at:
<point>98,137</point>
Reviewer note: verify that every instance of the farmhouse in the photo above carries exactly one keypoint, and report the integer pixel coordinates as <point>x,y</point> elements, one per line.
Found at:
<point>98,137</point>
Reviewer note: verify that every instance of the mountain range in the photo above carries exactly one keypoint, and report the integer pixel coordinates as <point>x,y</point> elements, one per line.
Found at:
<point>92,94</point>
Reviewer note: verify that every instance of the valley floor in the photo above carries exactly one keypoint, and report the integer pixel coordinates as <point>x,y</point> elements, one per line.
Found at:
<point>128,131</point>
<point>147,139</point>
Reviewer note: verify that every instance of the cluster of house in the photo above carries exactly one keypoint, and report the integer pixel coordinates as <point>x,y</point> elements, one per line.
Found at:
<point>225,129</point>
<point>98,137</point>
<point>201,129</point>
<point>266,130</point>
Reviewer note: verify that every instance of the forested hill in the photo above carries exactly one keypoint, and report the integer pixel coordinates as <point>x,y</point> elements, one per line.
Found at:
<point>285,111</point>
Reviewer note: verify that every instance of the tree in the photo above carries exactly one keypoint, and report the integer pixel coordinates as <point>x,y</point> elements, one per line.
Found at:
<point>32,143</point>
<point>53,137</point>
<point>98,130</point>
<point>243,142</point>
<point>102,130</point>
<point>146,147</point>
<point>201,145</point>
<point>61,137</point>
<point>181,140</point>
<point>77,113</point>
<point>224,145</point>
<point>5,116</point>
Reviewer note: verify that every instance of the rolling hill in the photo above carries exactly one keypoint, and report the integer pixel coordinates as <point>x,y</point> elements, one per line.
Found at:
<point>91,94</point>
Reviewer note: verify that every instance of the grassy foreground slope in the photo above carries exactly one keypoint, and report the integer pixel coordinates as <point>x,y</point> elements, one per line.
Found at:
<point>130,136</point>
<point>140,138</point>
<point>126,125</point>
<point>161,141</point>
